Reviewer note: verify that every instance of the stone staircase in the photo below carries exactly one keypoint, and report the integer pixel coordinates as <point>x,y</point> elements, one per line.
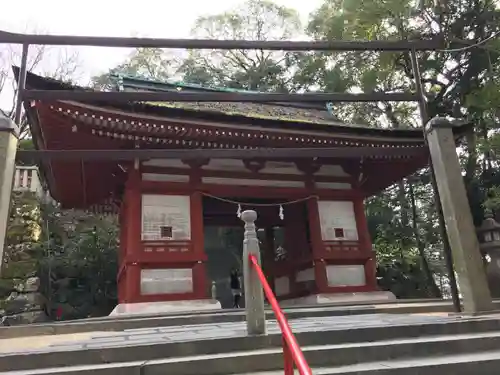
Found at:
<point>334,340</point>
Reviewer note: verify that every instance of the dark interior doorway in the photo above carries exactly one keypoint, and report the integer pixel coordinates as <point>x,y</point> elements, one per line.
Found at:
<point>224,234</point>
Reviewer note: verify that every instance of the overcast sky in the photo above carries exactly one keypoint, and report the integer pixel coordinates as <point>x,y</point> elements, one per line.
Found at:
<point>152,18</point>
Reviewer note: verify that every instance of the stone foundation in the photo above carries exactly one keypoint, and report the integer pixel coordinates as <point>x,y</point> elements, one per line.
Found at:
<point>25,305</point>
<point>154,308</point>
<point>340,299</point>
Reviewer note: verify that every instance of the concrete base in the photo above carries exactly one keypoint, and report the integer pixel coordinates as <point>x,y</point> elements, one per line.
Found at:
<point>145,308</point>
<point>340,298</point>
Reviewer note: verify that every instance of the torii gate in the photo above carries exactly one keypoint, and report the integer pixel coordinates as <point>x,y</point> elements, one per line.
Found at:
<point>455,220</point>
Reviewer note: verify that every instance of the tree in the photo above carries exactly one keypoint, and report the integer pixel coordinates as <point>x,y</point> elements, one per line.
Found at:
<point>80,262</point>
<point>243,69</point>
<point>22,235</point>
<point>72,252</point>
<point>456,81</point>
<point>150,63</point>
<point>239,69</point>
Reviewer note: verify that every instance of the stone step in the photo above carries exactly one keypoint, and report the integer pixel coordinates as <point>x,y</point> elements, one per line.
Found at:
<point>338,333</point>
<point>220,316</point>
<point>423,304</point>
<point>484,363</point>
<point>357,358</point>
<point>138,322</point>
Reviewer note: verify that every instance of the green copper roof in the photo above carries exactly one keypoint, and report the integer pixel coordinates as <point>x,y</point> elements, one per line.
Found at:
<point>122,78</point>
<point>302,112</point>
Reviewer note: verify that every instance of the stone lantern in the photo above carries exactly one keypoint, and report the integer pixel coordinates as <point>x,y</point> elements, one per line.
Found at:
<point>489,243</point>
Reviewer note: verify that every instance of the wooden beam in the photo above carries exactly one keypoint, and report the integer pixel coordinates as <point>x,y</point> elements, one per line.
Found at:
<point>275,45</point>
<point>165,96</point>
<point>193,154</point>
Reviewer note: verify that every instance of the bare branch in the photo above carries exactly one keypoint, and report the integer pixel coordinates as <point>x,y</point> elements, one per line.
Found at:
<point>60,63</point>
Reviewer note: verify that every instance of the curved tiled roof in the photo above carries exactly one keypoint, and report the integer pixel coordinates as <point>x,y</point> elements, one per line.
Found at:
<point>268,114</point>
<point>101,126</point>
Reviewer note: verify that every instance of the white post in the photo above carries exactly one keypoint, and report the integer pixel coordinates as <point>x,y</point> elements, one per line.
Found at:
<point>8,148</point>
<point>213,291</point>
<point>25,180</point>
<point>16,178</point>
<point>254,295</point>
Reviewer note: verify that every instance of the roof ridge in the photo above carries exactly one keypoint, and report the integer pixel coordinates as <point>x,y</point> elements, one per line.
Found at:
<point>181,83</point>
<point>138,82</point>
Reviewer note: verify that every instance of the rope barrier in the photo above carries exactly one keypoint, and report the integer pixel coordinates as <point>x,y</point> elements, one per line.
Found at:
<point>280,205</point>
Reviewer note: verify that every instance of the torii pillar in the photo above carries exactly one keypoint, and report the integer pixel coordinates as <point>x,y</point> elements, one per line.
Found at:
<point>457,216</point>
<point>8,148</point>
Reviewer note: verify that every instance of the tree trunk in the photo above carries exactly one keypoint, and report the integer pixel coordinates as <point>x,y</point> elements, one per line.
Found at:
<point>436,292</point>
<point>405,220</point>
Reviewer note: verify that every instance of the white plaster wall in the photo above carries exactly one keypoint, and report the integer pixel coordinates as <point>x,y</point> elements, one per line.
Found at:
<point>282,286</point>
<point>172,163</point>
<point>337,214</point>
<point>279,167</point>
<point>165,177</point>
<point>333,185</point>
<point>305,275</point>
<point>251,182</point>
<point>231,165</point>
<point>166,281</point>
<point>346,275</point>
<point>166,210</point>
<point>331,170</point>
<point>236,165</point>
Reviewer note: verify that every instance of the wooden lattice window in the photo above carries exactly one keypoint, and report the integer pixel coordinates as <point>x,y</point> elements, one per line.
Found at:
<point>339,232</point>
<point>166,232</point>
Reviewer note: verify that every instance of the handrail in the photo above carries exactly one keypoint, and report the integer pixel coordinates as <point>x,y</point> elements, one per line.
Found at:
<point>291,349</point>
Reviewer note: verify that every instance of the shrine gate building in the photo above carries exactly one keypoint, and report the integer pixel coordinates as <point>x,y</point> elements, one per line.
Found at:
<point>312,226</point>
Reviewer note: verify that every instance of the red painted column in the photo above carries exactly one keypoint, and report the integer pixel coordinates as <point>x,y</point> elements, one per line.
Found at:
<point>268,258</point>
<point>132,236</point>
<point>291,246</point>
<point>317,246</point>
<point>365,243</point>
<point>200,282</point>
<point>132,283</point>
<point>122,261</point>
<point>200,287</point>
<point>297,246</point>
<point>316,241</point>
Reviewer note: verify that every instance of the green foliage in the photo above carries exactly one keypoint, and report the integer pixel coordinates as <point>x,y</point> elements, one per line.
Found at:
<point>79,266</point>
<point>22,235</point>
<point>460,84</point>
<point>150,63</point>
<point>26,144</point>
<point>73,253</point>
<point>20,256</point>
<point>253,70</point>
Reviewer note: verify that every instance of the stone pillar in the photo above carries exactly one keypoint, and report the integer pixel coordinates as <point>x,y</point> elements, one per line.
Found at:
<point>458,218</point>
<point>8,146</point>
<point>254,296</point>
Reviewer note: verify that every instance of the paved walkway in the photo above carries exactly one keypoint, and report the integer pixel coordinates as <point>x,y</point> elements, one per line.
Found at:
<point>37,342</point>
<point>149,336</point>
